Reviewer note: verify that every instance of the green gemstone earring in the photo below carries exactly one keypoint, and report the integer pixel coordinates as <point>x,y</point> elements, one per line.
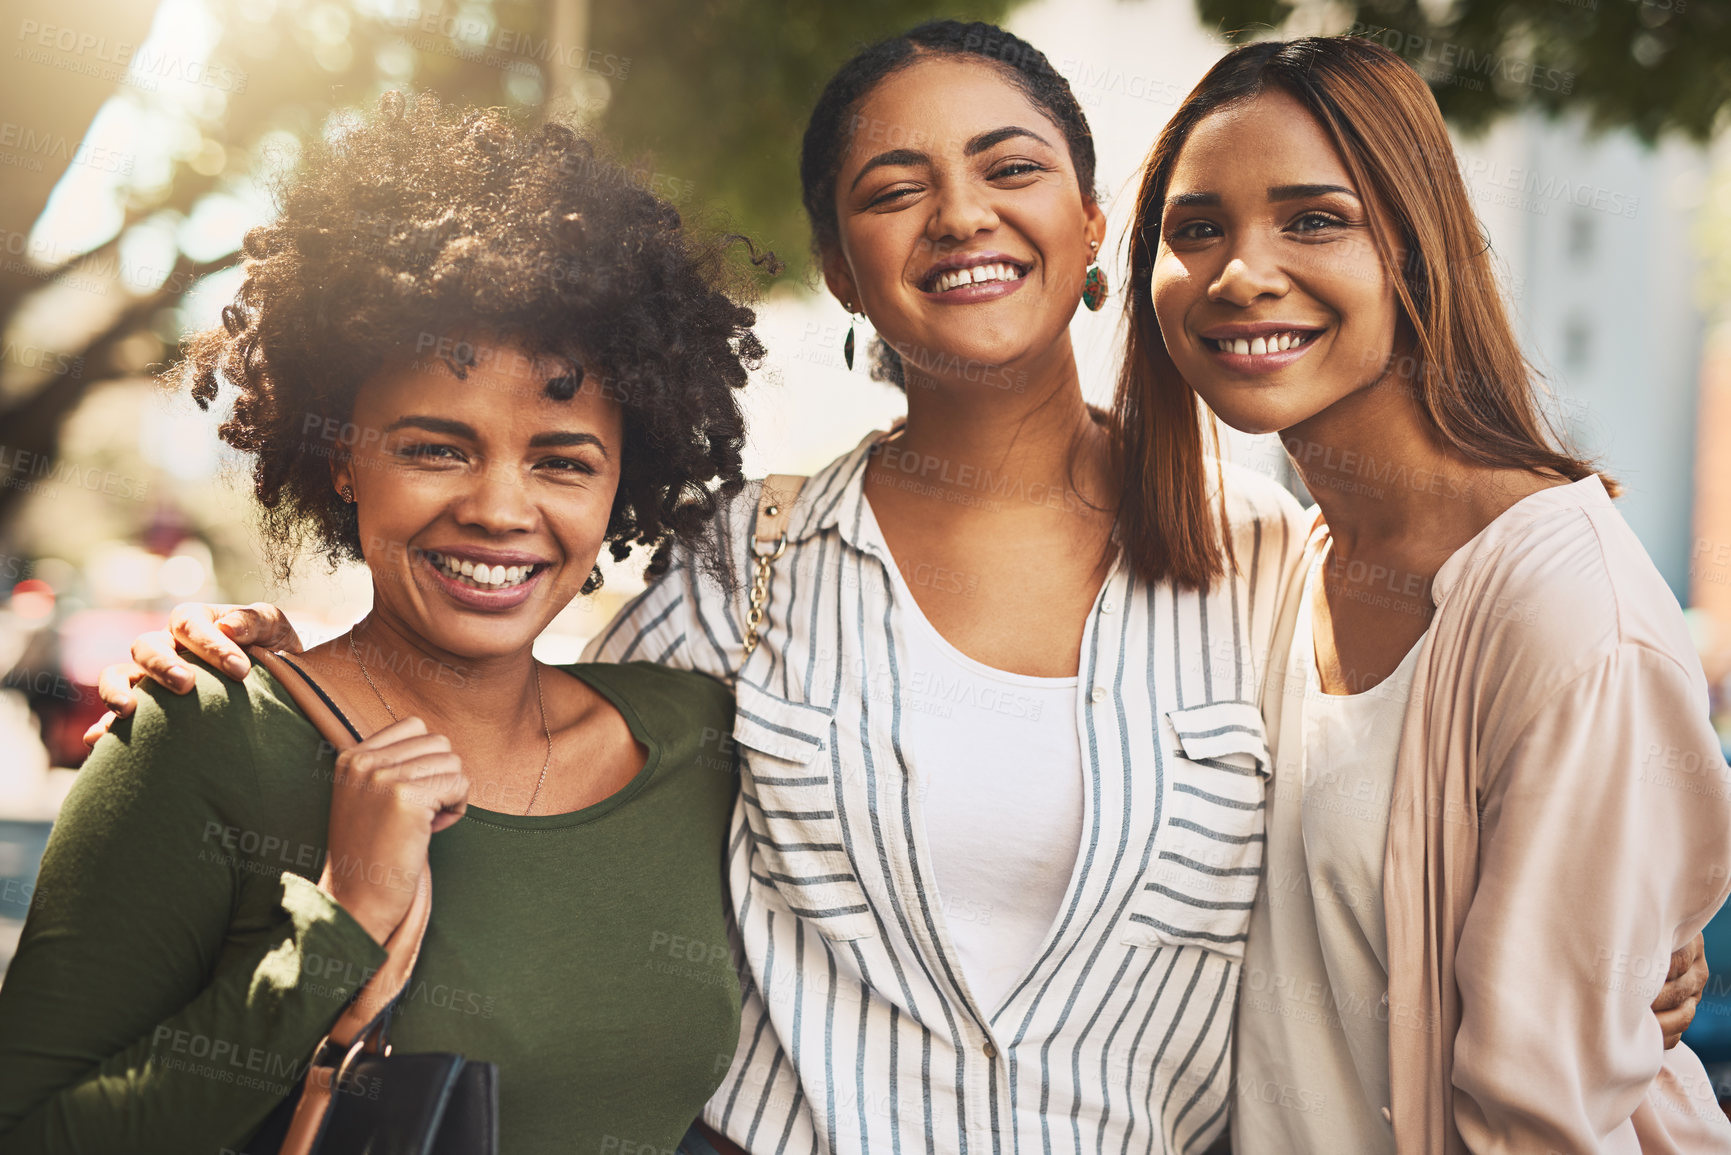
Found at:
<point>1094,289</point>
<point>847,342</point>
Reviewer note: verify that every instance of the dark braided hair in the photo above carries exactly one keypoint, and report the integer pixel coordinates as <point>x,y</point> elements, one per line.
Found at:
<point>830,129</point>
<point>413,232</point>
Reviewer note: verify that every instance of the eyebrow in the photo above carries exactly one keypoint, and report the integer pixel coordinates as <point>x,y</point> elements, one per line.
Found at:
<point>434,425</point>
<point>1280,192</point>
<point>975,146</point>
<point>998,136</point>
<point>548,440</point>
<point>1298,192</point>
<point>463,429</point>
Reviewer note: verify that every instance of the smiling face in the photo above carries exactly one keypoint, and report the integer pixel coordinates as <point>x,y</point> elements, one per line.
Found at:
<point>1271,297</point>
<point>964,233</point>
<point>482,502</point>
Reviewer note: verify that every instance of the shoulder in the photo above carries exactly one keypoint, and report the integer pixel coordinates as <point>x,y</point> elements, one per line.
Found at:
<point>210,741</point>
<point>1561,581</point>
<point>218,709</point>
<point>662,698</point>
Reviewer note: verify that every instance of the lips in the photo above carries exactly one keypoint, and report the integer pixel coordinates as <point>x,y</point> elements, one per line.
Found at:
<point>1276,342</point>
<point>495,581</point>
<point>1259,347</point>
<point>481,575</point>
<point>965,270</point>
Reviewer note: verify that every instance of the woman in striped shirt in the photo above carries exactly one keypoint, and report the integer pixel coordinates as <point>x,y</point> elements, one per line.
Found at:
<point>1002,767</point>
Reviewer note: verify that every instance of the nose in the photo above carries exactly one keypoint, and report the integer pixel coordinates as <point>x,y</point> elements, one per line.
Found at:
<point>1250,272</point>
<point>496,501</point>
<point>960,210</point>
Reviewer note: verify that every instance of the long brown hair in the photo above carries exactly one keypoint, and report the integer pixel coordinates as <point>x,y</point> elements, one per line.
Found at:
<point>1470,380</point>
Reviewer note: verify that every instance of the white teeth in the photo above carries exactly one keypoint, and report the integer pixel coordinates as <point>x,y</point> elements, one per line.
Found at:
<point>482,575</point>
<point>977,274</point>
<point>1258,346</point>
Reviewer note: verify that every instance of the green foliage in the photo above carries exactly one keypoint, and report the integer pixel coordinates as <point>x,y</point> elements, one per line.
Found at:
<point>1654,66</point>
<point>718,94</point>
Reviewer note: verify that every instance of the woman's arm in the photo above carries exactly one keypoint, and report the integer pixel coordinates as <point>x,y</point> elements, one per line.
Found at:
<point>1596,858</point>
<point>172,978</point>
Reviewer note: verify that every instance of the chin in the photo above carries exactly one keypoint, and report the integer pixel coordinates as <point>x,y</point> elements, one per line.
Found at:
<point>1247,414</point>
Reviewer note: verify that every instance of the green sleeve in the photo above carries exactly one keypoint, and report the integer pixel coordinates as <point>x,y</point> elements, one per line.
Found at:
<point>168,988</point>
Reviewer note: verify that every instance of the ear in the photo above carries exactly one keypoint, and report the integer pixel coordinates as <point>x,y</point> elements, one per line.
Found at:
<point>1094,231</point>
<point>839,279</point>
<point>342,475</point>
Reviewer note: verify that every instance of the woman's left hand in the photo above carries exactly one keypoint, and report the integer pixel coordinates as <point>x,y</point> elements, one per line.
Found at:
<point>1681,993</point>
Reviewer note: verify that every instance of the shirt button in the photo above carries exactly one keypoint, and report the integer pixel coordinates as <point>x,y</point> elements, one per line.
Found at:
<point>991,1049</point>
<point>1098,695</point>
<point>1386,1117</point>
<point>1108,606</point>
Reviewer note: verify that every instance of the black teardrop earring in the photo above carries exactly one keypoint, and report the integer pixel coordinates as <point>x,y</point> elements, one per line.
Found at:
<point>847,342</point>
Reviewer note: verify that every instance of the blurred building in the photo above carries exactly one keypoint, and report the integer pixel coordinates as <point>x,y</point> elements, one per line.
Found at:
<point>1595,234</point>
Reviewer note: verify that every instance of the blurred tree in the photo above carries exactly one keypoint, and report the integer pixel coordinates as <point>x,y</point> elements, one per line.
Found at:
<point>656,71</point>
<point>1654,66</point>
<point>720,92</point>
<point>714,93</point>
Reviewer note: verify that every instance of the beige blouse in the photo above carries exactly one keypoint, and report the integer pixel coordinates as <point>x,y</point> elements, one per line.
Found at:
<point>1560,822</point>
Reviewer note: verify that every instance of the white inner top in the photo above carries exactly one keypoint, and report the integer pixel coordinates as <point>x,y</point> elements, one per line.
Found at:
<point>1325,902</point>
<point>997,764</point>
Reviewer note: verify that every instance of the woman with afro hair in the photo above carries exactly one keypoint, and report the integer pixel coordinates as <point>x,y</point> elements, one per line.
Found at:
<point>470,354</point>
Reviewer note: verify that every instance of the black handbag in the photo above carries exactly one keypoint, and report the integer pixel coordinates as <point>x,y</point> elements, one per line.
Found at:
<point>359,1098</point>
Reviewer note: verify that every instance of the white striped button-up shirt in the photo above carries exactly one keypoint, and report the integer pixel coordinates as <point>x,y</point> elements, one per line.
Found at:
<point>859,1033</point>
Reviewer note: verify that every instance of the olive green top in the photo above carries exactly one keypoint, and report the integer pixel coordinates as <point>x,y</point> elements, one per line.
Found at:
<point>179,966</point>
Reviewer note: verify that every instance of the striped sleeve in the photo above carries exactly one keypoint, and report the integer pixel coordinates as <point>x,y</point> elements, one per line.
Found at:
<point>687,618</point>
<point>654,626</point>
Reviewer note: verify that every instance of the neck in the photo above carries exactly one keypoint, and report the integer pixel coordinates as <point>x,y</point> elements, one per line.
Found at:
<point>452,692</point>
<point>977,430</point>
<point>1382,478</point>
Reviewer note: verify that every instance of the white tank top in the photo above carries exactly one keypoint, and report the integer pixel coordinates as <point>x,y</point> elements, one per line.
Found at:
<point>997,765</point>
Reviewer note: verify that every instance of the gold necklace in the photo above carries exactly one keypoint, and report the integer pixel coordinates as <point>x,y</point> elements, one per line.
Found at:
<point>539,700</point>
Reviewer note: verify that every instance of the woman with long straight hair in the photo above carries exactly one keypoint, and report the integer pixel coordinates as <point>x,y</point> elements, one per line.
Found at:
<point>1481,688</point>
<point>1002,766</point>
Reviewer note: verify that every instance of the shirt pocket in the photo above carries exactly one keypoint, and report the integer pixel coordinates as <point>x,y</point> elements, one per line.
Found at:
<point>1208,850</point>
<point>790,796</point>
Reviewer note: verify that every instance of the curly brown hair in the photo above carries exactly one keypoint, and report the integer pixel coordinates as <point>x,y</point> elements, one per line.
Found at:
<point>416,222</point>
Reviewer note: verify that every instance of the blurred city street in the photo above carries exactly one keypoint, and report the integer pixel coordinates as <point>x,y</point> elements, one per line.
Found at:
<point>137,144</point>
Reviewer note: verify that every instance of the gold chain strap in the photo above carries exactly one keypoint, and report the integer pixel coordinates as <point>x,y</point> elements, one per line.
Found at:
<point>760,584</point>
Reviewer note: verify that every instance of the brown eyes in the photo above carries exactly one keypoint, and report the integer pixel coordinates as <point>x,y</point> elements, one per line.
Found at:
<point>1309,223</point>
<point>1007,171</point>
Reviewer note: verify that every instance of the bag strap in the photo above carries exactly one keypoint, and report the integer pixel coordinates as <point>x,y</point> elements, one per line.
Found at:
<point>768,542</point>
<point>363,1020</point>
